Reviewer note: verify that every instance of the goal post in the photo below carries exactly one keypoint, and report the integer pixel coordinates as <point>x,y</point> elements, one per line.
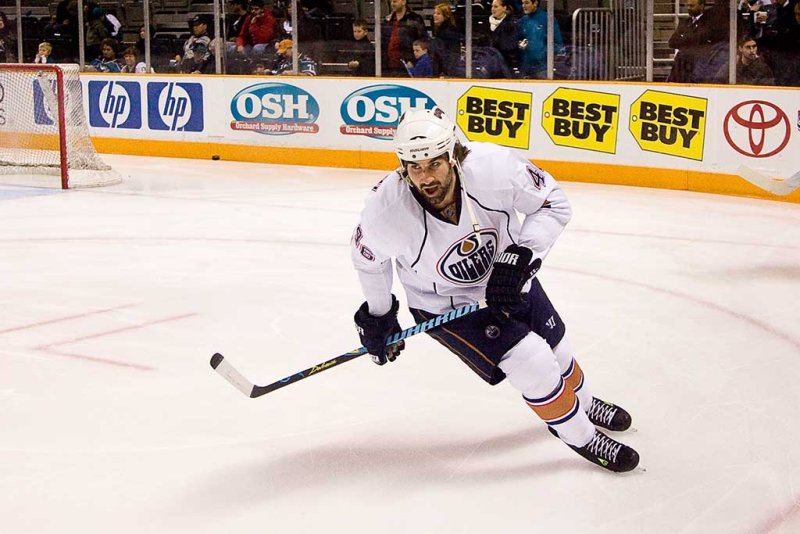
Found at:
<point>43,129</point>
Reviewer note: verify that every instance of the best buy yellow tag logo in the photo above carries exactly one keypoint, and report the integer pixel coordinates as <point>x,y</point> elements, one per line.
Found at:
<point>582,119</point>
<point>669,123</point>
<point>495,115</point>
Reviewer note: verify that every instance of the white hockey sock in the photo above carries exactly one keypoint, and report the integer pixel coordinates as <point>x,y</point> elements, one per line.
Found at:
<point>531,368</point>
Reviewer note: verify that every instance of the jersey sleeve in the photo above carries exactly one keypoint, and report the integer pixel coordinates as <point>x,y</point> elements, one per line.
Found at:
<point>371,252</point>
<point>544,205</point>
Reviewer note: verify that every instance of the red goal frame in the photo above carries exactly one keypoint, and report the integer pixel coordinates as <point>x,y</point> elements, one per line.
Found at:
<point>62,127</point>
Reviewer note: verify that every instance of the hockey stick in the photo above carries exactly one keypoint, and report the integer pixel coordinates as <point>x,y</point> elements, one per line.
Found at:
<point>776,186</point>
<point>229,372</point>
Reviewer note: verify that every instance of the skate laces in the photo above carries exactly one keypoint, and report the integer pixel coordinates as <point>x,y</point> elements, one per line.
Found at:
<point>601,411</point>
<point>604,447</point>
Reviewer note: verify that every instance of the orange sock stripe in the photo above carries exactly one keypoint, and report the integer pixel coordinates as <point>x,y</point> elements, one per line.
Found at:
<point>574,376</point>
<point>555,407</point>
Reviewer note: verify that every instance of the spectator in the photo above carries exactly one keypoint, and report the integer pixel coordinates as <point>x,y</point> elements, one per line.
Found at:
<point>306,64</point>
<point>779,42</point>
<point>261,69</point>
<point>238,12</point>
<point>196,57</point>
<point>503,32</point>
<point>96,30</point>
<point>113,25</point>
<point>422,67</point>
<point>751,69</point>
<point>62,31</point>
<point>44,55</point>
<point>693,39</point>
<point>236,17</point>
<point>318,8</point>
<point>307,29</point>
<point>131,63</point>
<point>445,47</point>
<point>141,39</point>
<point>363,62</point>
<point>257,32</point>
<point>533,30</point>
<point>7,41</point>
<point>107,61</point>
<point>398,32</point>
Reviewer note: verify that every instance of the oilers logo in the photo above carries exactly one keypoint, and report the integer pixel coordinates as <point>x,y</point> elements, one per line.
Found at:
<point>467,261</point>
<point>115,104</point>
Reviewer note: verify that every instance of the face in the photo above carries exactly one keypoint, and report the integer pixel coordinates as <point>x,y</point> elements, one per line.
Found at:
<point>498,10</point>
<point>43,50</point>
<point>749,51</point>
<point>530,6</point>
<point>438,18</point>
<point>398,5</point>
<point>359,32</point>
<point>108,52</point>
<point>256,11</point>
<point>199,28</point>
<point>418,51</point>
<point>130,60</point>
<point>435,179</point>
<point>694,7</point>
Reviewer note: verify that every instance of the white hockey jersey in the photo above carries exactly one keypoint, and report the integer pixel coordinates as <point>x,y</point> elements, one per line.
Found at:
<point>443,265</point>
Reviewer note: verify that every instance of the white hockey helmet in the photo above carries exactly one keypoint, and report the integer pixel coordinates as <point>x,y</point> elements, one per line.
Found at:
<point>424,134</point>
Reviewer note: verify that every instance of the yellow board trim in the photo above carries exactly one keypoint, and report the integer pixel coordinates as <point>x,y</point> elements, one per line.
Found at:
<point>598,173</point>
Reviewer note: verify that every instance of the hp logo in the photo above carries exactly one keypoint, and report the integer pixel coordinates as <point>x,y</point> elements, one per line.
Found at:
<point>115,105</point>
<point>175,106</point>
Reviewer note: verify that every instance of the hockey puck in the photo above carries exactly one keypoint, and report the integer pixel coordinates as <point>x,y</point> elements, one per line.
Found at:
<point>215,157</point>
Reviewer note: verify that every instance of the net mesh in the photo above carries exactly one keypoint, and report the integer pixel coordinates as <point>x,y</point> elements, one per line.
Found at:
<point>29,129</point>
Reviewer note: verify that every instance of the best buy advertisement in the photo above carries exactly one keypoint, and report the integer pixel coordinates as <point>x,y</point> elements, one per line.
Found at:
<point>587,120</point>
<point>496,116</point>
<point>669,123</point>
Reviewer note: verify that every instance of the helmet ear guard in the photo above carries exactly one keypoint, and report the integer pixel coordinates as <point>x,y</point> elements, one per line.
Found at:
<point>424,134</point>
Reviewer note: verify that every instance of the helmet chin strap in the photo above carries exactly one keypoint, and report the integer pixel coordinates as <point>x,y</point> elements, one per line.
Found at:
<point>475,226</point>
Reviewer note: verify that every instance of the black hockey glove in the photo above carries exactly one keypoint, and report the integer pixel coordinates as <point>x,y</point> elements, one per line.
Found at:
<point>509,273</point>
<point>373,332</point>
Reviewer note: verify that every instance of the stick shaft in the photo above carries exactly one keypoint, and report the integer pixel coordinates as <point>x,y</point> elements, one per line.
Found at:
<point>229,372</point>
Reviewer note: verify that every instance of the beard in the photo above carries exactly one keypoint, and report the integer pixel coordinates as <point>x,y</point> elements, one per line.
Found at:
<point>437,192</point>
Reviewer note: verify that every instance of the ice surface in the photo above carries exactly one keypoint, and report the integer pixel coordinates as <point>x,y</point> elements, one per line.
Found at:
<point>682,307</point>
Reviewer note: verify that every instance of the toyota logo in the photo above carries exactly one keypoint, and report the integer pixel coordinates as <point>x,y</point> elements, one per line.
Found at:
<point>757,129</point>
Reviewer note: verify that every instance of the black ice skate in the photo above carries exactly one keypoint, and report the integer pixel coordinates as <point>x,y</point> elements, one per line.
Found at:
<point>608,416</point>
<point>606,452</point>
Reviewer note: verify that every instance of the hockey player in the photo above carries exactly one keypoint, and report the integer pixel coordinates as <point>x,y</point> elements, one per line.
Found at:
<point>448,217</point>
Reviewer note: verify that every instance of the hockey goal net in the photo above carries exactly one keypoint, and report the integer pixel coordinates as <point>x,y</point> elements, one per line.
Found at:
<point>43,130</point>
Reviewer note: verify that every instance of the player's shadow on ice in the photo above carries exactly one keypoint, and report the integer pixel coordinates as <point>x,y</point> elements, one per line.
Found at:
<point>336,466</point>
